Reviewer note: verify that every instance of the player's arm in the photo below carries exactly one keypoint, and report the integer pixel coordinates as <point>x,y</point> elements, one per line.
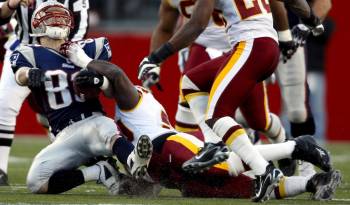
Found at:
<point>165,28</point>
<point>300,7</point>
<point>123,91</point>
<point>280,20</point>
<point>321,8</point>
<point>9,7</point>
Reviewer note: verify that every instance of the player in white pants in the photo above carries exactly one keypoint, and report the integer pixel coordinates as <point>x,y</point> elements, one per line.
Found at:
<point>291,74</point>
<point>11,95</point>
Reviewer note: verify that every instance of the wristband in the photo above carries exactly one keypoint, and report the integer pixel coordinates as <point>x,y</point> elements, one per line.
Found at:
<point>11,8</point>
<point>161,53</point>
<point>105,83</point>
<point>285,35</point>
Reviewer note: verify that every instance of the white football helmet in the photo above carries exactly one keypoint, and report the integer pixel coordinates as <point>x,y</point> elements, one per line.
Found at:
<point>53,20</point>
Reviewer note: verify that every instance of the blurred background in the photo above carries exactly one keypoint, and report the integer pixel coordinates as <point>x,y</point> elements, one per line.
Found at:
<point>129,23</point>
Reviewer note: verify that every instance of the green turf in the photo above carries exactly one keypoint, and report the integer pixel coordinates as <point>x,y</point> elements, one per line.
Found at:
<point>24,149</point>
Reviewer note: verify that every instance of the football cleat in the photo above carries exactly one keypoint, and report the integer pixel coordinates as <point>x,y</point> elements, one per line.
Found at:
<point>287,166</point>
<point>265,184</point>
<point>306,149</point>
<point>3,178</point>
<point>108,177</point>
<point>139,158</point>
<point>208,156</point>
<point>323,185</point>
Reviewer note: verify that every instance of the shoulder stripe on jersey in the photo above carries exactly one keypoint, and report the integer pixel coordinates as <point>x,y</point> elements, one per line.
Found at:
<point>28,53</point>
<point>171,3</point>
<point>99,42</point>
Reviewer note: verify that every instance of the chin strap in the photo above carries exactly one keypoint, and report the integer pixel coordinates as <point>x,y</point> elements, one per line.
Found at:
<point>54,33</point>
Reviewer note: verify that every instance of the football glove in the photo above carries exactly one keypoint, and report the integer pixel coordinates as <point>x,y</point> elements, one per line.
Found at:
<point>148,73</point>
<point>76,54</point>
<point>309,25</point>
<point>288,48</point>
<point>36,78</point>
<point>88,79</point>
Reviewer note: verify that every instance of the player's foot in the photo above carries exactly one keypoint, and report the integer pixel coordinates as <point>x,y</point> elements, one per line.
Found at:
<point>208,156</point>
<point>306,149</point>
<point>109,177</point>
<point>287,166</point>
<point>323,185</point>
<point>3,178</point>
<point>265,184</point>
<point>138,159</point>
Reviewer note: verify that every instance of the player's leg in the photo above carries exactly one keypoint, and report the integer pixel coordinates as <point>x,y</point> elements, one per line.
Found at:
<point>11,99</point>
<point>292,80</point>
<point>255,110</point>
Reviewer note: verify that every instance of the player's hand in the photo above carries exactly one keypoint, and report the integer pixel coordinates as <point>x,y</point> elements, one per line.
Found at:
<point>148,73</point>
<point>36,78</point>
<point>76,54</point>
<point>17,3</point>
<point>300,33</point>
<point>88,79</point>
<point>288,48</point>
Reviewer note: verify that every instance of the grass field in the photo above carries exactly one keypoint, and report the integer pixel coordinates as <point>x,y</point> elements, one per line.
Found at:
<point>24,149</point>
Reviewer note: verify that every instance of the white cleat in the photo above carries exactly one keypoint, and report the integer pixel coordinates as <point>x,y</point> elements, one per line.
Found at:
<point>140,157</point>
<point>108,177</point>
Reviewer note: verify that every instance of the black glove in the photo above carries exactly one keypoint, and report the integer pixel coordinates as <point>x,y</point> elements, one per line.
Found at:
<point>88,79</point>
<point>300,33</point>
<point>288,48</point>
<point>36,78</point>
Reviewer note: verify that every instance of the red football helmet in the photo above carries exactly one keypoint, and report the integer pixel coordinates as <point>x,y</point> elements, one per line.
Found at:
<point>53,20</point>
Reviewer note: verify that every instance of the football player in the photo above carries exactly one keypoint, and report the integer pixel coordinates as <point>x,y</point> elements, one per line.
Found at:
<point>225,82</point>
<point>11,95</point>
<point>78,122</point>
<point>291,74</point>
<point>172,148</point>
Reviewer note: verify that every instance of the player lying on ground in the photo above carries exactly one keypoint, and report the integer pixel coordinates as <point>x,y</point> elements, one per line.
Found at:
<point>172,148</point>
<point>81,129</point>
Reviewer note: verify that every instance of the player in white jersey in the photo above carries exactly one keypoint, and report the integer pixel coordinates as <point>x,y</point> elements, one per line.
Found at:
<point>172,148</point>
<point>253,58</point>
<point>291,74</point>
<point>11,95</point>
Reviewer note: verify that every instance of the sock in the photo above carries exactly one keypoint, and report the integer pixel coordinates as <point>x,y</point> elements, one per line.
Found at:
<point>6,139</point>
<point>275,133</point>
<point>289,187</point>
<point>91,173</point>
<point>235,137</point>
<point>65,180</point>
<point>272,152</point>
<point>122,148</point>
<point>304,128</point>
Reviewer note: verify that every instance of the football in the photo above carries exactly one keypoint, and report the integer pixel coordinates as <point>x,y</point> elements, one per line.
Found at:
<point>86,90</point>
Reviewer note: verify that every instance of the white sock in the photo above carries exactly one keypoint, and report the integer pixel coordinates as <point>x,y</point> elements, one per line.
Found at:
<point>275,132</point>
<point>240,144</point>
<point>6,138</point>
<point>91,173</point>
<point>290,187</point>
<point>272,152</point>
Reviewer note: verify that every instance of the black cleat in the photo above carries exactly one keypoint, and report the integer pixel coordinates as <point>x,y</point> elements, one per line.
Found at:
<point>287,166</point>
<point>323,185</point>
<point>208,156</point>
<point>265,184</point>
<point>3,178</point>
<point>306,149</point>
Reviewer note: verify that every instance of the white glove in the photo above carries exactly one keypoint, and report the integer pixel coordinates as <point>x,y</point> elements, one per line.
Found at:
<point>148,73</point>
<point>77,55</point>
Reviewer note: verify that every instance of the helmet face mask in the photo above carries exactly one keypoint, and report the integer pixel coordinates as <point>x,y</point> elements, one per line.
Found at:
<point>53,20</point>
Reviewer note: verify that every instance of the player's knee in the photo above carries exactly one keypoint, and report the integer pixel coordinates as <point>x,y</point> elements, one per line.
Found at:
<point>36,186</point>
<point>297,116</point>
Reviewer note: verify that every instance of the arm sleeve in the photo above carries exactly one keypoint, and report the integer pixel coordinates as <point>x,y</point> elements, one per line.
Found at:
<point>18,60</point>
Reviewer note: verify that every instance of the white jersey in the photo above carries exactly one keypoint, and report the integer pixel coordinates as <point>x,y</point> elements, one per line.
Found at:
<point>147,118</point>
<point>243,19</point>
